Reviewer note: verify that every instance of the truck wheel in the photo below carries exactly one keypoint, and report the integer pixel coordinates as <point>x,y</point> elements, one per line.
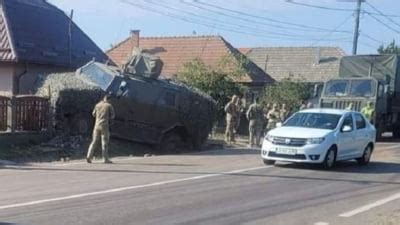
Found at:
<point>364,160</point>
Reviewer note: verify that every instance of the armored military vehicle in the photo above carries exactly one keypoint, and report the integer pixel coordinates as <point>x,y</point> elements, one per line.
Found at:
<point>149,110</point>
<point>368,78</point>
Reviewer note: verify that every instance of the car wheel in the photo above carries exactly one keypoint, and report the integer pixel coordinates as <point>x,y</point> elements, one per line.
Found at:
<point>364,160</point>
<point>269,162</point>
<point>330,159</point>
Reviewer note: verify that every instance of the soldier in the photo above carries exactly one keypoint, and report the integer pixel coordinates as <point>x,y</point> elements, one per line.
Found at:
<point>240,109</point>
<point>103,112</point>
<point>368,111</point>
<point>303,105</point>
<point>231,119</point>
<point>273,117</point>
<point>255,116</point>
<point>284,113</point>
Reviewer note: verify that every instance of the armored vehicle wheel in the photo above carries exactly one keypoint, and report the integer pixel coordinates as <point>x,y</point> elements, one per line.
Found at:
<point>171,143</point>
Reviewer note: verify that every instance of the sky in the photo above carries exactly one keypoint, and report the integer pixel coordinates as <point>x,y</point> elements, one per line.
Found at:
<point>243,23</point>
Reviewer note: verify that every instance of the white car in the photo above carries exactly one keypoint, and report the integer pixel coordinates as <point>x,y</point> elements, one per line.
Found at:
<point>321,136</point>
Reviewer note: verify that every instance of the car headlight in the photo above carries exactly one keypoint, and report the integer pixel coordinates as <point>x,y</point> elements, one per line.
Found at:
<point>314,141</point>
<point>269,138</point>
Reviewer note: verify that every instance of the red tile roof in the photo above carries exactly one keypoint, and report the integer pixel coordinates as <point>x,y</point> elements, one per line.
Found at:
<point>176,51</point>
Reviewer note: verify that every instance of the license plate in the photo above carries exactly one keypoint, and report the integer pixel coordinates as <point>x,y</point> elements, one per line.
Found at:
<point>286,151</point>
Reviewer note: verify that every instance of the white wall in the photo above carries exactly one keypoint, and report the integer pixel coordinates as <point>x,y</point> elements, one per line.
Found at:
<point>6,79</point>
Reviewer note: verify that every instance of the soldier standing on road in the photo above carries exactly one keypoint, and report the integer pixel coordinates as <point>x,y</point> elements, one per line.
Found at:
<point>368,111</point>
<point>255,116</point>
<point>240,109</point>
<point>231,119</point>
<point>284,113</point>
<point>273,117</point>
<point>103,112</point>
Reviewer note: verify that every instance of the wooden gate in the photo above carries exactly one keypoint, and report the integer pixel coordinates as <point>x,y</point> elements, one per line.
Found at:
<point>32,113</point>
<point>4,103</point>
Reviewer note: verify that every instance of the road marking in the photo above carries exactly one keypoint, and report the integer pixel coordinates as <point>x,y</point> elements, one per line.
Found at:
<point>321,223</point>
<point>370,206</point>
<point>129,188</point>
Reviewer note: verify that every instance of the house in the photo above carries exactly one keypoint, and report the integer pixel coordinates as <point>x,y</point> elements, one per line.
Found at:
<point>307,64</point>
<point>37,38</point>
<point>176,51</point>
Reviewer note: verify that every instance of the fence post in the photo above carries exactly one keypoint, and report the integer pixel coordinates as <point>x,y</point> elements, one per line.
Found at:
<point>11,121</point>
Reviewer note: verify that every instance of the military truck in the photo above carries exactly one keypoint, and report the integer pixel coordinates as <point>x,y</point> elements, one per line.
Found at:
<point>149,110</point>
<point>368,78</point>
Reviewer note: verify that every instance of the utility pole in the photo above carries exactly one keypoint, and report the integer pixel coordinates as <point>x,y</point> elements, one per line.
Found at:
<point>357,27</point>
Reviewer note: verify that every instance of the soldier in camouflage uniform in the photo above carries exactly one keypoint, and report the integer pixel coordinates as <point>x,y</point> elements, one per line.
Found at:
<point>103,112</point>
<point>273,117</point>
<point>284,113</point>
<point>255,115</point>
<point>232,114</point>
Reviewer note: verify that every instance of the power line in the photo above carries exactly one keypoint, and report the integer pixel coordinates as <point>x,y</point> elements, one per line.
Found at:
<point>370,38</point>
<point>335,9</point>
<point>380,13</point>
<point>206,24</point>
<point>332,31</point>
<point>318,6</point>
<point>383,23</point>
<point>214,20</point>
<point>259,17</point>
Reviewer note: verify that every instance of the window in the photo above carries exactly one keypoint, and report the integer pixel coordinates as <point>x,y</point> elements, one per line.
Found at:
<point>362,88</point>
<point>314,120</point>
<point>360,122</point>
<point>337,88</point>
<point>348,121</point>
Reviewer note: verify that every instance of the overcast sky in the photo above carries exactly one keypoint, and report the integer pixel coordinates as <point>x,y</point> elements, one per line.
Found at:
<point>250,23</point>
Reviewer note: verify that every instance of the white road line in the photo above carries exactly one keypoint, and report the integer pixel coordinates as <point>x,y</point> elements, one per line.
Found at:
<point>321,223</point>
<point>370,206</point>
<point>127,188</point>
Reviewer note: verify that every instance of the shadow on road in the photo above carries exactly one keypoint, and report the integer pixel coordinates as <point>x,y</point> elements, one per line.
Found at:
<point>229,151</point>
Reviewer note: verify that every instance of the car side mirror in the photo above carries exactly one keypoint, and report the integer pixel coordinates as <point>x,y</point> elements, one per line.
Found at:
<point>278,124</point>
<point>346,129</point>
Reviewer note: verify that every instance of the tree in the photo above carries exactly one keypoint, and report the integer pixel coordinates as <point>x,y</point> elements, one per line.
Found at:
<point>218,82</point>
<point>287,91</point>
<point>391,48</point>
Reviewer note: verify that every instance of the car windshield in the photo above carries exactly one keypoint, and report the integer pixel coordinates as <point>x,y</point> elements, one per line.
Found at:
<point>337,88</point>
<point>362,88</point>
<point>314,120</point>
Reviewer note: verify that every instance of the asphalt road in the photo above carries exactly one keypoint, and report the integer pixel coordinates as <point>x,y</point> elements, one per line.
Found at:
<point>229,186</point>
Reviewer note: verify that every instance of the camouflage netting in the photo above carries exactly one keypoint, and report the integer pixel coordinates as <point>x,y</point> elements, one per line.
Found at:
<point>72,101</point>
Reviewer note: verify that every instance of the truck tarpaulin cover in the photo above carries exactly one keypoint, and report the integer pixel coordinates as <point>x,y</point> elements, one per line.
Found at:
<point>381,67</point>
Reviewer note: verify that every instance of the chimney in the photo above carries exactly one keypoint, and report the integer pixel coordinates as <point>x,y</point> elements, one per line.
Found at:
<point>135,38</point>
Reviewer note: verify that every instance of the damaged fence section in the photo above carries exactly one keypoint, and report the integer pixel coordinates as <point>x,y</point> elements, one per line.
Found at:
<point>24,114</point>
